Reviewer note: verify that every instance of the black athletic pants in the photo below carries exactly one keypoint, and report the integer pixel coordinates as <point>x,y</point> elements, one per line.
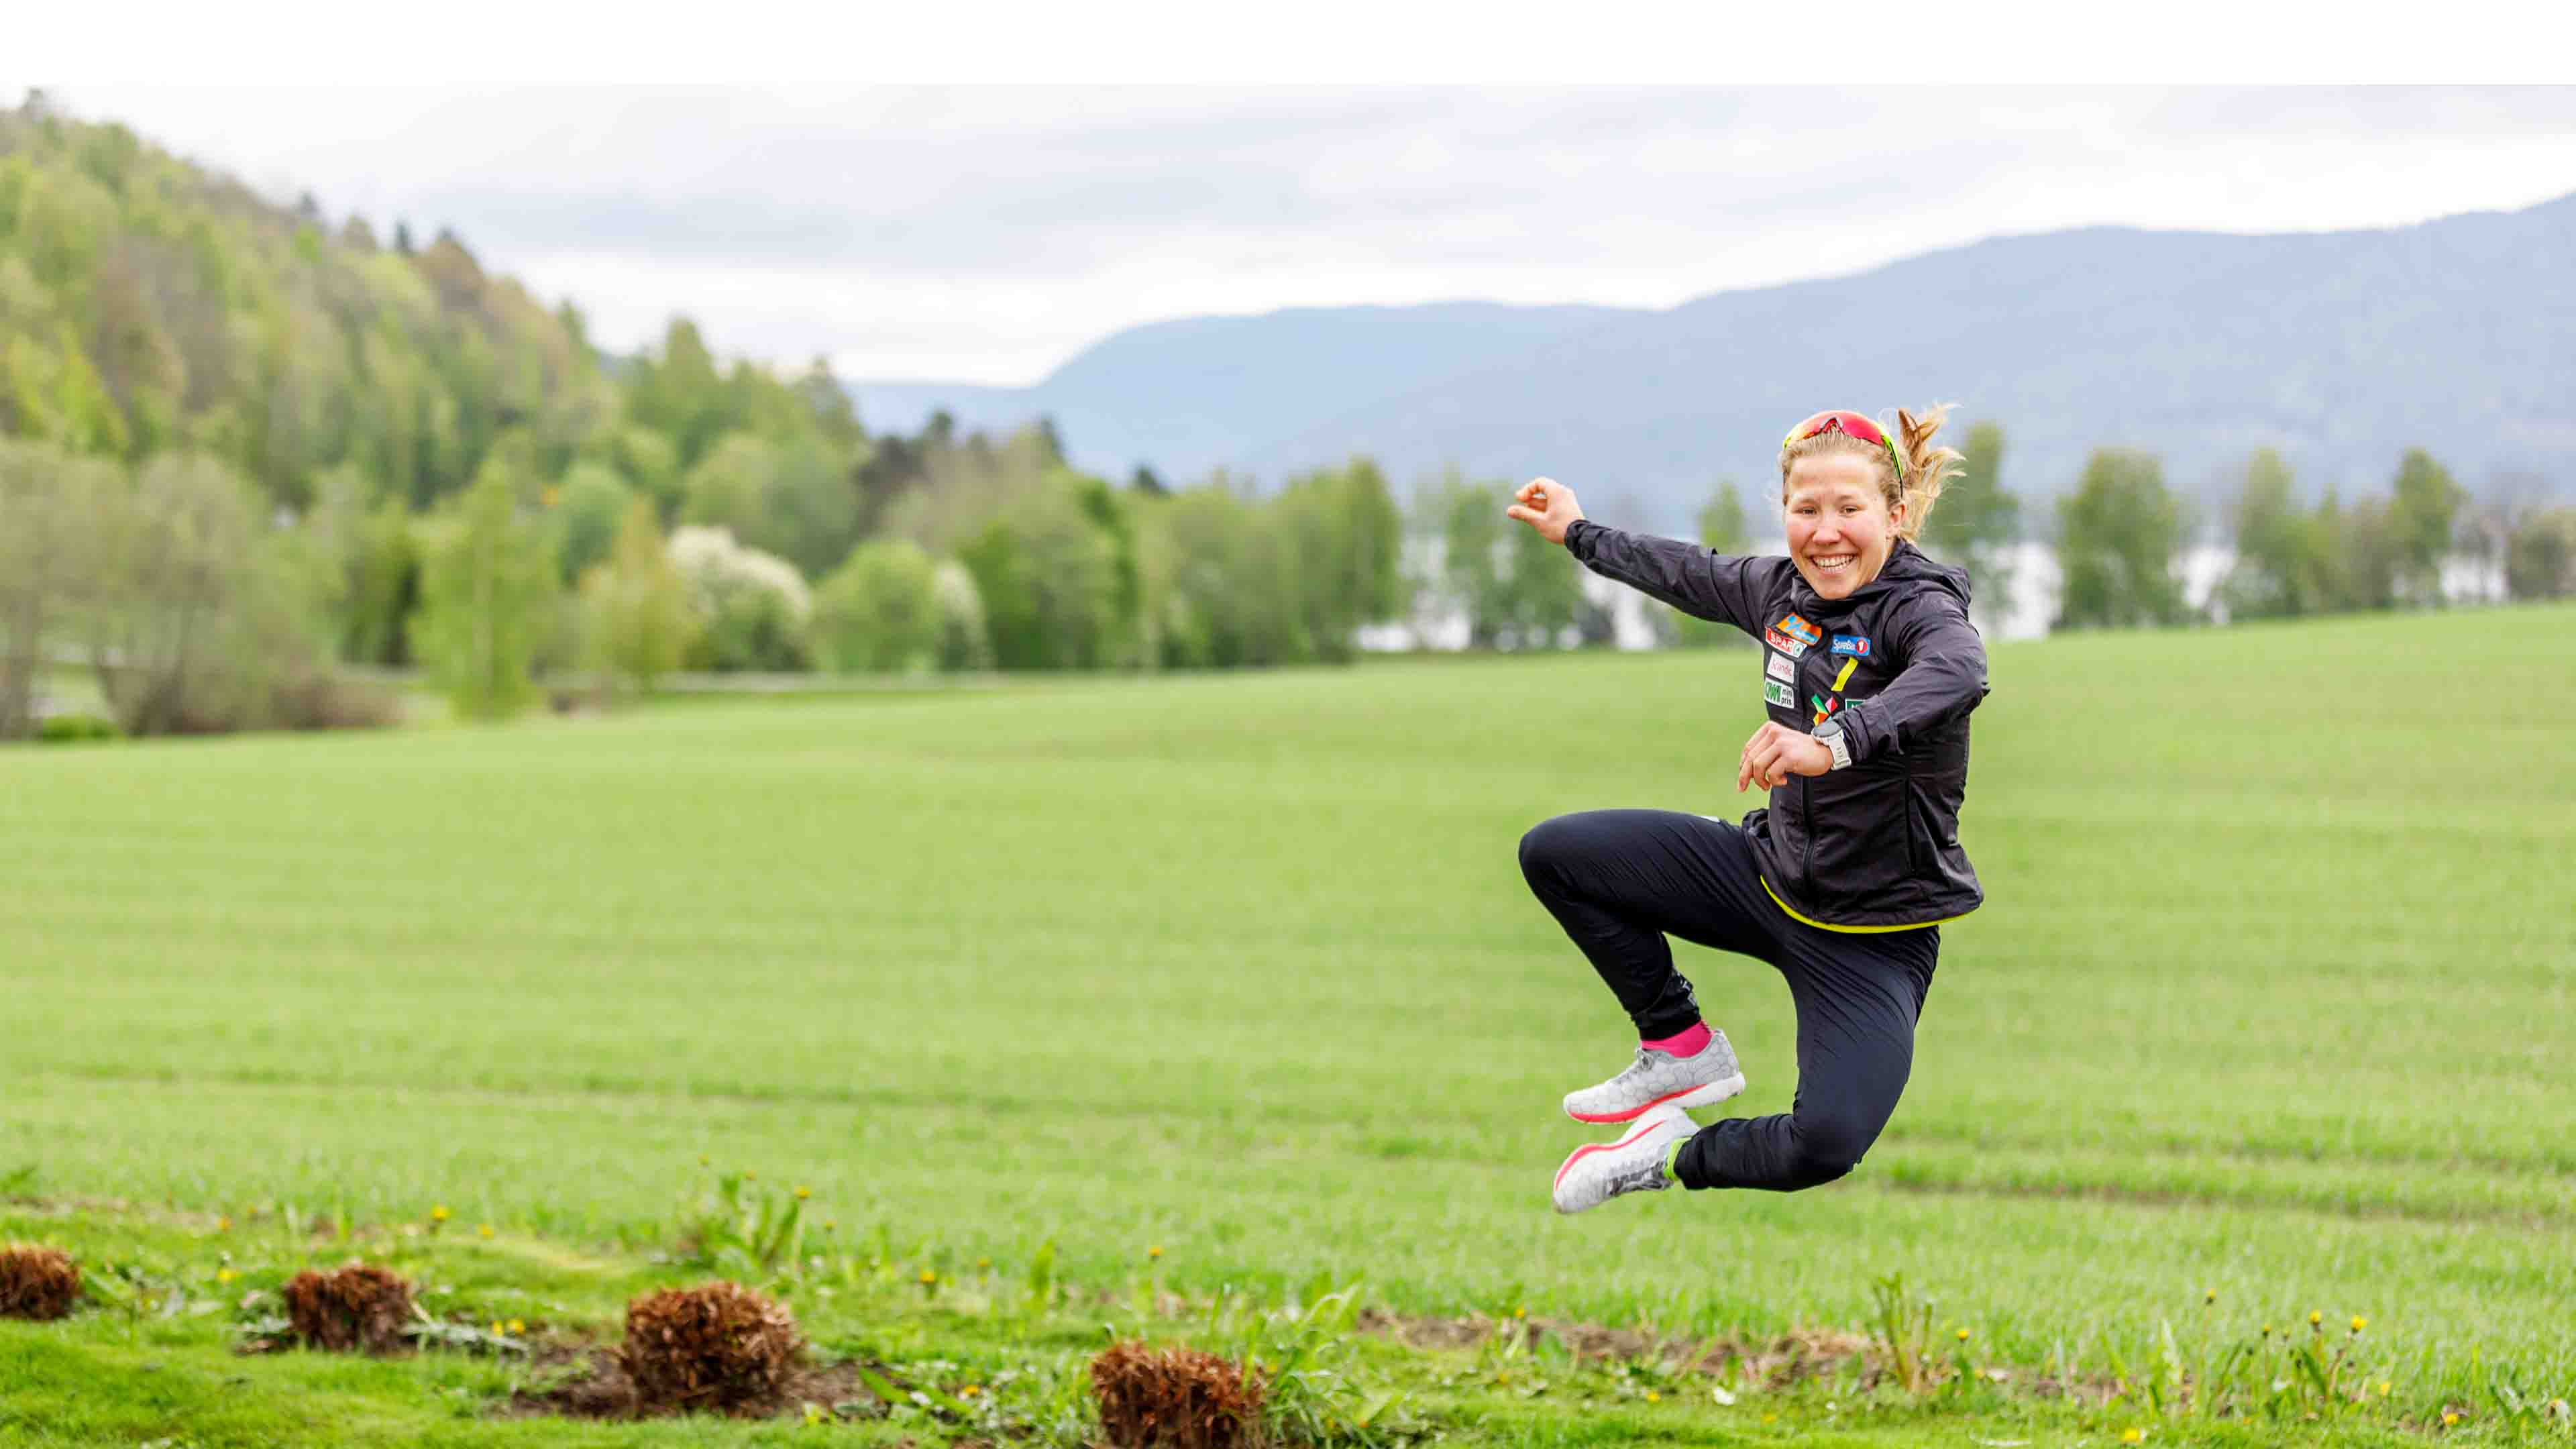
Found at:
<point>1618,880</point>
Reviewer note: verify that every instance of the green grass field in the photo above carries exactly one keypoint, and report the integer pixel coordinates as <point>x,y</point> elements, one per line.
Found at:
<point>2272,997</point>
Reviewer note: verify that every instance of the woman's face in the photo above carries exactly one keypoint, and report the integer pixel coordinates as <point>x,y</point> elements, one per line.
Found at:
<point>1840,527</point>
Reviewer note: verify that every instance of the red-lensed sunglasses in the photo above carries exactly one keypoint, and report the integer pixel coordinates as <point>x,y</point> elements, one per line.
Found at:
<point>1850,424</point>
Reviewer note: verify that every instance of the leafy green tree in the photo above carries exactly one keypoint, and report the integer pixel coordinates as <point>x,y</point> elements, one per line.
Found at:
<point>2118,535</point>
<point>2281,567</point>
<point>1048,575</point>
<point>1977,523</point>
<point>879,612</point>
<point>1515,588</point>
<point>487,594</point>
<point>590,510</point>
<point>2540,555</point>
<point>2423,513</point>
<point>964,642</point>
<point>2362,558</point>
<point>809,514</point>
<point>640,623</point>
<point>173,595</point>
<point>50,503</point>
<point>729,487</point>
<point>752,606</point>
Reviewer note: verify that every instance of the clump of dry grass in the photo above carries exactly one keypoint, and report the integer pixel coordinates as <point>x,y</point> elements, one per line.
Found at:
<point>36,1282</point>
<point>716,1346</point>
<point>1178,1397</point>
<point>360,1307</point>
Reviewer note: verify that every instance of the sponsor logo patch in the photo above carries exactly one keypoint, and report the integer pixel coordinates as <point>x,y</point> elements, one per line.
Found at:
<point>1799,629</point>
<point>1774,692</point>
<point>1783,643</point>
<point>1779,667</point>
<point>1855,645</point>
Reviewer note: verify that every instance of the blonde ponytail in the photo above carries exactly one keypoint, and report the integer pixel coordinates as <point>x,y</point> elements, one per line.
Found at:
<point>1927,469</point>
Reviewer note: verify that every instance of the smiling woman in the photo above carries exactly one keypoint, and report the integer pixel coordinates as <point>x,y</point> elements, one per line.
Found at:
<point>1869,671</point>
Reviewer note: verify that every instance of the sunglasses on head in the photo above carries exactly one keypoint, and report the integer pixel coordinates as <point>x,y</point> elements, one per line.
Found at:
<point>1850,425</point>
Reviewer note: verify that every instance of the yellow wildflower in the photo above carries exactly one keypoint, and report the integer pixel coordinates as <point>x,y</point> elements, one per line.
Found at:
<point>483,1230</point>
<point>970,1391</point>
<point>438,1213</point>
<point>2132,1435</point>
<point>928,1277</point>
<point>225,1275</point>
<point>1963,1335</point>
<point>1653,1398</point>
<point>2359,1323</point>
<point>2315,1318</point>
<point>803,1193</point>
<point>1155,1251</point>
<point>2449,1418</point>
<point>223,1225</point>
<point>516,1326</point>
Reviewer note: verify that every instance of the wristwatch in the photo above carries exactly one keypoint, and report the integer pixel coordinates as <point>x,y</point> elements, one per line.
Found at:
<point>1831,737</point>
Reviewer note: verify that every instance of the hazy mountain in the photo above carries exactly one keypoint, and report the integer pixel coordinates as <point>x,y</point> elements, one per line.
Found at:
<point>1198,393</point>
<point>2339,348</point>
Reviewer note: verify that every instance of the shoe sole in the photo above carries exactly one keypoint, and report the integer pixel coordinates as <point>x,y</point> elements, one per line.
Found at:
<point>1707,1094</point>
<point>1580,1153</point>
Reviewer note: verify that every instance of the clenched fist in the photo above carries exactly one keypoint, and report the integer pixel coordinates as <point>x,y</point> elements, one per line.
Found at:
<point>1775,753</point>
<point>1546,505</point>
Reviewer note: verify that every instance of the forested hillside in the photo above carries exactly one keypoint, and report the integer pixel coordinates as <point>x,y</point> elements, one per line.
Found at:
<point>240,441</point>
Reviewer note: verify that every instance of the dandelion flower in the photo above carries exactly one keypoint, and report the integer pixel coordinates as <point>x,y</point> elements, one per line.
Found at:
<point>2315,1318</point>
<point>2449,1418</point>
<point>928,1277</point>
<point>751,1177</point>
<point>1963,1335</point>
<point>1653,1398</point>
<point>483,1230</point>
<point>803,1193</point>
<point>2267,1330</point>
<point>828,1225</point>
<point>1770,1418</point>
<point>225,1275</point>
<point>223,1225</point>
<point>970,1391</point>
<point>438,1213</point>
<point>496,1328</point>
<point>702,1159</point>
<point>1521,1312</point>
<point>2132,1435</point>
<point>2384,1387</point>
<point>2359,1323</point>
<point>1154,1252</point>
<point>983,1263</point>
<point>518,1326</point>
<point>2208,1295</point>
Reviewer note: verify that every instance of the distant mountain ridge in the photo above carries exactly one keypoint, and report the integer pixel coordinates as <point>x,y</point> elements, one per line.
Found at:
<point>2341,349</point>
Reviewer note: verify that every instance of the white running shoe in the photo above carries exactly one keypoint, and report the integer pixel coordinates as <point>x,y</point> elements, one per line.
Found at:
<point>1657,1080</point>
<point>1635,1163</point>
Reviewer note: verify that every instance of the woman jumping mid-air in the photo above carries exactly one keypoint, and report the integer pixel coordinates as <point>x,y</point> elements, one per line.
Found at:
<point>1869,670</point>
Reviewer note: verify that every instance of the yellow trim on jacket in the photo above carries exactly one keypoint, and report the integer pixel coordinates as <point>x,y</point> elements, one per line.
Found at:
<point>1851,930</point>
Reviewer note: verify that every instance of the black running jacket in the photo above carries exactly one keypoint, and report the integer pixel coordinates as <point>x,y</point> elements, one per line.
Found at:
<point>1874,846</point>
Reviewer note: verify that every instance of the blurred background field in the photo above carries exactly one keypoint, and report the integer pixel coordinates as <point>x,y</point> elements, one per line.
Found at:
<point>2268,998</point>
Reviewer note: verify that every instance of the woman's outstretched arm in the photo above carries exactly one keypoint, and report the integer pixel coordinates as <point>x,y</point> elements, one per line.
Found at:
<point>1699,581</point>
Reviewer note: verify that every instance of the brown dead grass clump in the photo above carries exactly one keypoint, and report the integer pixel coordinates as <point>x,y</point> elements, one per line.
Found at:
<point>36,1282</point>
<point>716,1346</point>
<point>1178,1397</point>
<point>361,1307</point>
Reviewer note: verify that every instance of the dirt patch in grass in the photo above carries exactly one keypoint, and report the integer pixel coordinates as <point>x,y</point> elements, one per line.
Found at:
<point>580,1380</point>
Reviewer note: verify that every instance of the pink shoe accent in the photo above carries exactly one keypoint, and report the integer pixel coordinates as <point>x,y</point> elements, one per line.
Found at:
<point>1681,1044</point>
<point>1633,1113</point>
<point>1581,1153</point>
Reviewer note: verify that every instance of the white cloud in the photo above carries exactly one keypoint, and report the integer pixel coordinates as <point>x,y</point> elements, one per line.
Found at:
<point>985,234</point>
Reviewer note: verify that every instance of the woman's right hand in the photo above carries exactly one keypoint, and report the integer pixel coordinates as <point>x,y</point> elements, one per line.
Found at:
<point>1546,505</point>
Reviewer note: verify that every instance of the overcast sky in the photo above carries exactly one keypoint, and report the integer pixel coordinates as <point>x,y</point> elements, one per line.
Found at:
<point>986,234</point>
